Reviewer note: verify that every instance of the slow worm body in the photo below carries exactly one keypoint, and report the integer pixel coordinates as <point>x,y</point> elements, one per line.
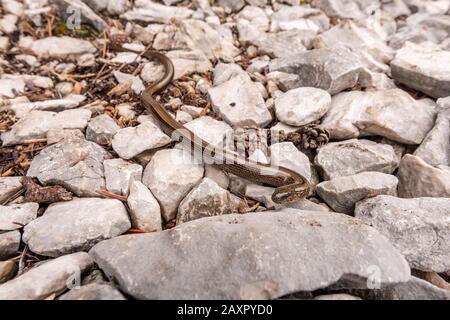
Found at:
<point>289,185</point>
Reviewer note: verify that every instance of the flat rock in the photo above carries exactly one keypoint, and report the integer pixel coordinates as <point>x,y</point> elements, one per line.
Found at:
<point>346,9</point>
<point>287,155</point>
<point>273,254</point>
<point>36,124</point>
<point>423,68</point>
<point>31,80</point>
<point>252,22</point>
<point>9,244</point>
<point>16,216</point>
<point>131,141</point>
<point>101,129</point>
<point>10,88</point>
<point>8,187</point>
<point>418,228</point>
<point>49,278</point>
<point>419,179</point>
<point>145,212</point>
<point>301,106</point>
<point>337,296</point>
<point>136,83</point>
<point>120,175</point>
<point>69,102</point>
<point>188,62</point>
<point>342,193</point>
<point>210,130</point>
<point>393,114</point>
<point>93,291</point>
<point>76,164</point>
<point>353,156</point>
<point>299,18</point>
<point>435,147</point>
<point>61,47</point>
<point>331,70</point>
<point>205,200</point>
<point>240,103</point>
<point>56,135</point>
<point>283,43</point>
<point>76,225</point>
<point>148,11</point>
<point>170,175</point>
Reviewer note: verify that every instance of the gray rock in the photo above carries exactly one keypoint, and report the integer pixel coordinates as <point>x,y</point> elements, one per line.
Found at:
<point>8,187</point>
<point>148,11</point>
<point>61,47</point>
<point>225,71</point>
<point>16,216</point>
<point>419,179</point>
<point>301,106</point>
<point>231,5</point>
<point>93,291</point>
<point>145,212</point>
<point>418,228</point>
<point>331,70</point>
<point>210,130</point>
<point>67,8</point>
<point>69,102</point>
<point>51,277</point>
<point>31,80</point>
<point>435,148</point>
<point>205,200</point>
<point>283,44</point>
<point>170,175</point>
<point>353,156</point>
<point>76,225</point>
<point>393,114</point>
<point>240,103</point>
<point>355,9</point>
<point>287,155</point>
<point>424,68</point>
<point>75,164</point>
<point>188,62</point>
<point>9,244</point>
<point>36,124</point>
<point>120,175</point>
<point>102,129</point>
<point>57,135</point>
<point>136,83</point>
<point>299,18</point>
<point>252,22</point>
<point>7,270</point>
<point>217,175</point>
<point>131,141</point>
<point>183,117</point>
<point>342,193</point>
<point>11,88</point>
<point>272,254</point>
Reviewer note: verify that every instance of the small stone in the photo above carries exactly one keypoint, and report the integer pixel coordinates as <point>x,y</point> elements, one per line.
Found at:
<point>299,18</point>
<point>7,270</point>
<point>8,23</point>
<point>419,179</point>
<point>70,102</point>
<point>353,156</point>
<point>16,216</point>
<point>195,112</point>
<point>10,88</point>
<point>51,277</point>
<point>205,200</point>
<point>148,11</point>
<point>145,211</point>
<point>183,117</point>
<point>93,291</point>
<point>101,129</point>
<point>170,175</point>
<point>217,175</point>
<point>301,106</point>
<point>331,70</point>
<point>36,124</point>
<point>210,130</point>
<point>225,71</point>
<point>61,47</point>
<point>282,44</point>
<point>56,135</point>
<point>76,225</point>
<point>287,155</point>
<point>342,193</point>
<point>64,88</point>
<point>9,244</point>
<point>152,72</point>
<point>231,5</point>
<point>8,187</point>
<point>31,80</point>
<point>188,62</point>
<point>126,57</point>
<point>240,103</point>
<point>137,85</point>
<point>120,175</point>
<point>75,164</point>
<point>130,141</point>
<point>86,60</point>
<point>125,110</point>
<point>424,68</point>
<point>418,228</point>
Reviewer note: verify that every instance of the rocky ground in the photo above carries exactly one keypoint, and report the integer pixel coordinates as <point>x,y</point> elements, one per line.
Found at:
<point>97,202</point>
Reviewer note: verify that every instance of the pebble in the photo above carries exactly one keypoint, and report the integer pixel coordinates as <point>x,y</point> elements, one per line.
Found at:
<point>120,175</point>
<point>9,244</point>
<point>16,216</point>
<point>101,129</point>
<point>61,47</point>
<point>145,212</point>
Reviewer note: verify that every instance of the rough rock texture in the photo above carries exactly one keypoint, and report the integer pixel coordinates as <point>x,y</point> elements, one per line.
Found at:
<point>424,68</point>
<point>7,270</point>
<point>36,124</point>
<point>69,102</point>
<point>120,174</point>
<point>16,216</point>
<point>145,212</point>
<point>9,244</point>
<point>287,155</point>
<point>49,278</point>
<point>393,114</point>
<point>101,129</point>
<point>170,175</point>
<point>418,228</point>
<point>342,193</point>
<point>76,225</point>
<point>61,47</point>
<point>331,70</point>
<point>93,291</point>
<point>76,164</point>
<point>148,11</point>
<point>353,156</point>
<point>8,187</point>
<point>209,129</point>
<point>239,102</point>
<point>267,255</point>
<point>131,141</point>
<point>301,106</point>
<point>419,179</point>
<point>205,200</point>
